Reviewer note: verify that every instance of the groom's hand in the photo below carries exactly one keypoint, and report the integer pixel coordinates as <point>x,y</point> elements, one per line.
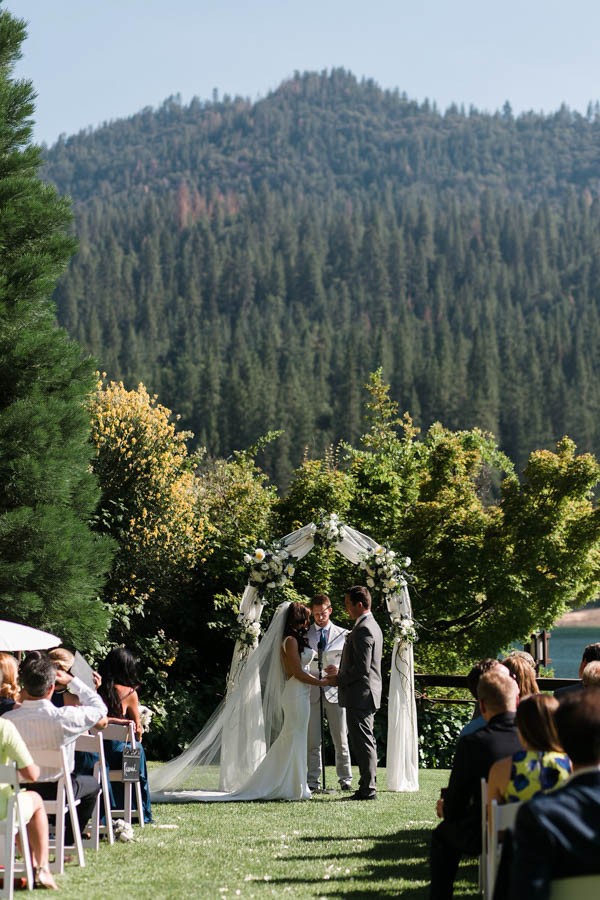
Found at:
<point>332,672</point>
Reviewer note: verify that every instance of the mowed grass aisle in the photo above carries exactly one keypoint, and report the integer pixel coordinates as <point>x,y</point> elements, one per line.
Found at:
<point>324,848</point>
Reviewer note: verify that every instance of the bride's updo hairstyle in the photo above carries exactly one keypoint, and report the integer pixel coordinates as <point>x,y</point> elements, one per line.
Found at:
<point>297,622</point>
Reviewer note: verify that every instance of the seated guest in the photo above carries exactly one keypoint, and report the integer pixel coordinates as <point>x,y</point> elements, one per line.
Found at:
<point>120,682</point>
<point>9,682</point>
<point>523,672</point>
<point>45,727</point>
<point>479,669</point>
<point>591,653</point>
<point>542,765</point>
<point>14,749</point>
<point>590,677</point>
<point>63,659</point>
<point>459,834</point>
<point>557,835</point>
<point>523,654</point>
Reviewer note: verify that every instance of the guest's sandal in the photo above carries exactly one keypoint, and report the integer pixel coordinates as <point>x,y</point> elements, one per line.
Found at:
<point>43,879</point>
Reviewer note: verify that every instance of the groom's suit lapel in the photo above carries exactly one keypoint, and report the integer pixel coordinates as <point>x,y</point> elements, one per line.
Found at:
<point>349,645</point>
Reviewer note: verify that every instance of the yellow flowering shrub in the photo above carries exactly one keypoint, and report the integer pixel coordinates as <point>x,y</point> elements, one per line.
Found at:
<point>149,492</point>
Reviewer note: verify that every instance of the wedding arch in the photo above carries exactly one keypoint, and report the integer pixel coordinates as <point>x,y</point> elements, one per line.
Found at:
<point>271,566</point>
<point>232,743</point>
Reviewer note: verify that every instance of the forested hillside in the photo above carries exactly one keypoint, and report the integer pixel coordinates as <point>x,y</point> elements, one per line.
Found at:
<point>251,263</point>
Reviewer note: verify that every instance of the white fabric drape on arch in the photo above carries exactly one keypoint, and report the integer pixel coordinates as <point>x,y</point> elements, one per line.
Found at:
<point>402,736</point>
<point>402,755</point>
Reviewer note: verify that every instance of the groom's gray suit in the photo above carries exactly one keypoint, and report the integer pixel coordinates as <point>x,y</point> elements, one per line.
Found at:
<point>359,683</point>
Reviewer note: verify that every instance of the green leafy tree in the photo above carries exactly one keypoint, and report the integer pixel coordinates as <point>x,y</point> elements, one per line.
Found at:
<point>237,499</point>
<point>492,560</point>
<point>51,564</point>
<point>551,537</point>
<point>318,486</point>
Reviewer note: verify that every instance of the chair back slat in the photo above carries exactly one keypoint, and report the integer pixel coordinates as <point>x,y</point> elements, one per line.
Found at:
<point>125,733</point>
<point>12,825</point>
<point>94,743</point>
<point>64,804</point>
<point>502,818</point>
<point>9,777</point>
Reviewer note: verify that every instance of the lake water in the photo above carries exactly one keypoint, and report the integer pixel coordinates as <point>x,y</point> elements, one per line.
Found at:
<point>566,647</point>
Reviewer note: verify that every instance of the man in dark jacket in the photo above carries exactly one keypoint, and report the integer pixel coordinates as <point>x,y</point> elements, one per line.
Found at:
<point>459,833</point>
<point>359,682</point>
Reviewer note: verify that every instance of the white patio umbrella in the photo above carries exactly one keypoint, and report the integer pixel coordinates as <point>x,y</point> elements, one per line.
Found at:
<point>14,636</point>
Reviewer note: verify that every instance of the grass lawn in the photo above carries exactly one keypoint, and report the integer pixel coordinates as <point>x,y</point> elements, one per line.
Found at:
<point>323,848</point>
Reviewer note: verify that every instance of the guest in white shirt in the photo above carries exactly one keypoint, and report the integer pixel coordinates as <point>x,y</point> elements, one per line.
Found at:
<point>44,726</point>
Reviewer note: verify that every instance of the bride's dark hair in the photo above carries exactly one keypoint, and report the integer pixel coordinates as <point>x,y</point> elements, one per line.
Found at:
<point>297,622</point>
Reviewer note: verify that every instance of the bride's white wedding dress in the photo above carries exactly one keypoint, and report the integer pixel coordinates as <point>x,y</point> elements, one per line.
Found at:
<point>282,774</point>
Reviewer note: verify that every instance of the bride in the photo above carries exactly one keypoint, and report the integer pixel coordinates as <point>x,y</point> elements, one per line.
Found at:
<point>255,742</point>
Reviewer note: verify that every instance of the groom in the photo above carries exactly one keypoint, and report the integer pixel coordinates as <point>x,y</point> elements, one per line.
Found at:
<point>359,683</point>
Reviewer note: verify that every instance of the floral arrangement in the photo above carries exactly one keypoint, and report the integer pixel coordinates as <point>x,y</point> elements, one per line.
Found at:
<point>384,570</point>
<point>145,718</point>
<point>249,632</point>
<point>123,831</point>
<point>270,567</point>
<point>404,628</point>
<point>329,530</point>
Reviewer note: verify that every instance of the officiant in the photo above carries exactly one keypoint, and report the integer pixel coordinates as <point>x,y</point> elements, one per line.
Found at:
<point>328,640</point>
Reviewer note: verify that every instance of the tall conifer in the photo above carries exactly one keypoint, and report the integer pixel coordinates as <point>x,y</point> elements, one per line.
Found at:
<point>51,564</point>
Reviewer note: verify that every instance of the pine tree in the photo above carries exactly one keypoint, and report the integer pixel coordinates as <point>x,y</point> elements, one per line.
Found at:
<point>51,564</point>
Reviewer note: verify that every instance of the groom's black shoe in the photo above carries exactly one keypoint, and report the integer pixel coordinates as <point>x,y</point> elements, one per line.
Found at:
<point>358,796</point>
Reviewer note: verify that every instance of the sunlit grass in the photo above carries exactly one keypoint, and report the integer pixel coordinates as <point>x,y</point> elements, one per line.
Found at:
<point>324,848</point>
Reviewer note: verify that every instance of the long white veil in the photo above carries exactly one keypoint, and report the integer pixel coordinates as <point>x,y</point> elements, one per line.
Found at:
<point>237,736</point>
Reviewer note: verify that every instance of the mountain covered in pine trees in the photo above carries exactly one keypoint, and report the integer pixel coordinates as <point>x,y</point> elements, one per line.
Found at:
<point>252,262</point>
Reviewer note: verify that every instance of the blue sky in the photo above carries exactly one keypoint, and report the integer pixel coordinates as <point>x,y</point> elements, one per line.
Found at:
<point>92,61</point>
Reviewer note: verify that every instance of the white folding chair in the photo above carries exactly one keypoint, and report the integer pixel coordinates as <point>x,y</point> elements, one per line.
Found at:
<point>125,733</point>
<point>13,824</point>
<point>581,887</point>
<point>483,883</point>
<point>93,743</point>
<point>502,818</point>
<point>64,804</point>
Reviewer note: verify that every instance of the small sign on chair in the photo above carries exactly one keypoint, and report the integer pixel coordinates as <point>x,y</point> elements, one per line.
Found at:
<point>131,763</point>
